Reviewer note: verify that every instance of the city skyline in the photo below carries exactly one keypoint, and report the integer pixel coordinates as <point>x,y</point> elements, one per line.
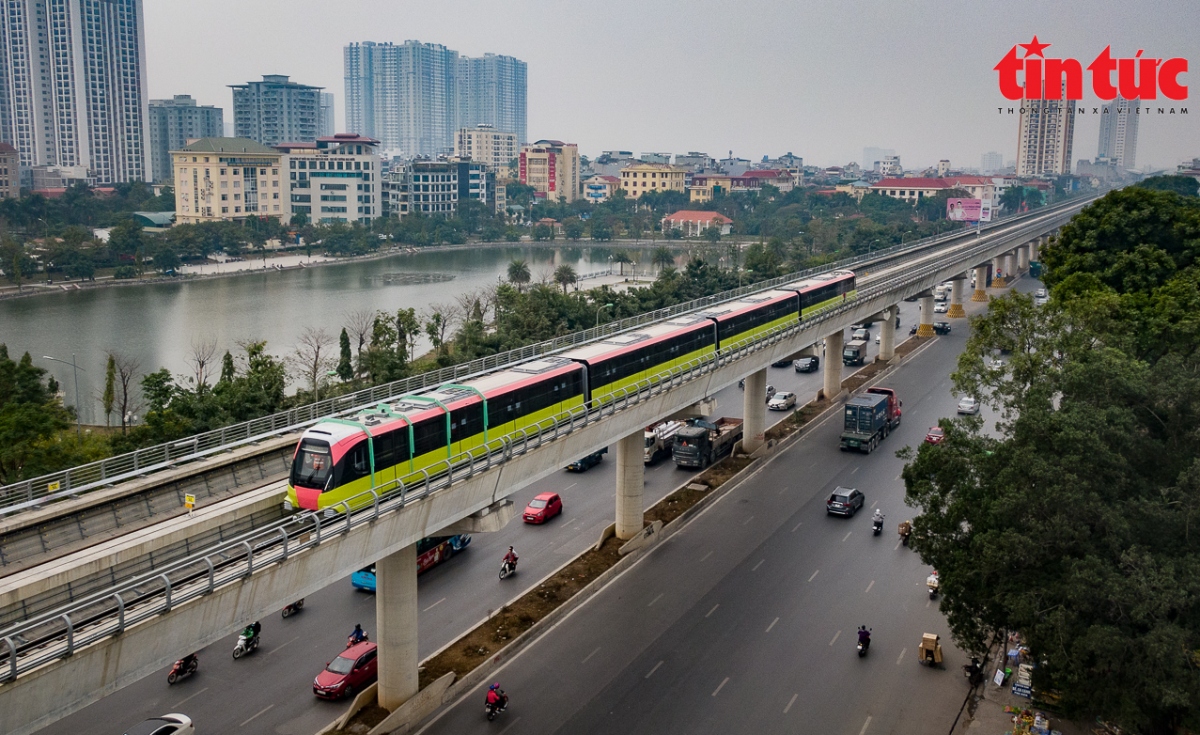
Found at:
<point>912,78</point>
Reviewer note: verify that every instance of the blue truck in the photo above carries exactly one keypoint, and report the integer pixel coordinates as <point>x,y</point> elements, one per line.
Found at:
<point>868,418</point>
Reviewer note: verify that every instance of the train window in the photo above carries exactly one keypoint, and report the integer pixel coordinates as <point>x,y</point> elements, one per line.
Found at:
<point>466,421</point>
<point>429,435</point>
<point>355,464</point>
<point>312,465</point>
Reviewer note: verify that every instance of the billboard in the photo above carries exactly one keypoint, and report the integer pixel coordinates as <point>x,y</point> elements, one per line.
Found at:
<point>965,210</point>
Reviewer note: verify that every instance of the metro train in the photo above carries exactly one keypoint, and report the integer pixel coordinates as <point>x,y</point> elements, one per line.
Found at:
<point>337,459</point>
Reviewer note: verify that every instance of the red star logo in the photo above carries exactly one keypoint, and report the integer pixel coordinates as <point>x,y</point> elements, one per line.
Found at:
<point>1034,48</point>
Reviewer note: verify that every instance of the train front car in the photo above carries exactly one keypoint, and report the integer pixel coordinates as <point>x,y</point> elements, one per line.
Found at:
<point>739,322</point>
<point>314,464</point>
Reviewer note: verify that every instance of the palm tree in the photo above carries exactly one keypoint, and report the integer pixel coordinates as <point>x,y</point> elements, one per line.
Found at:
<point>518,273</point>
<point>621,258</point>
<point>564,275</point>
<point>663,258</point>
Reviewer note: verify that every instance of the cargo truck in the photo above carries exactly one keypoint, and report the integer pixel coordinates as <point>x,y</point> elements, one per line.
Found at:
<point>701,442</point>
<point>855,352</point>
<point>868,419</point>
<point>659,439</point>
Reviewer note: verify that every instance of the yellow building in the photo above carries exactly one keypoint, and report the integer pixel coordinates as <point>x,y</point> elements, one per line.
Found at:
<point>227,179</point>
<point>551,167</point>
<point>704,186</point>
<point>640,178</point>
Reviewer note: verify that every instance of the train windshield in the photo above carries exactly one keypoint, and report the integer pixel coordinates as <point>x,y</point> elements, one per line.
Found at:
<point>313,465</point>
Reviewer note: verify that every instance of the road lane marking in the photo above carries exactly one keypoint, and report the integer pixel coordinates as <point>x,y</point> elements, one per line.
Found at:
<point>772,625</point>
<point>897,477</point>
<point>835,637</point>
<point>747,520</point>
<point>281,645</point>
<point>929,602</point>
<point>660,663</point>
<point>434,605</point>
<point>846,536</point>
<point>901,656</point>
<point>814,576</point>
<point>854,470</point>
<point>593,653</point>
<point>568,487</point>
<point>897,544</point>
<point>656,599</point>
<point>185,699</point>
<point>865,726</point>
<point>710,612</point>
<point>782,490</point>
<point>260,712</point>
<point>720,686</point>
<point>870,586</point>
<point>874,504</point>
<point>706,556</point>
<point>759,564</point>
<point>790,703</point>
<point>511,725</point>
<point>798,525</point>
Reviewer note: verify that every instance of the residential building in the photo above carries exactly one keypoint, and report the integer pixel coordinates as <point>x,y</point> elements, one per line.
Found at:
<point>73,86</point>
<point>655,158</point>
<point>693,223</point>
<point>734,166</point>
<point>276,110</point>
<point>48,178</point>
<point>1189,169</point>
<point>856,189</point>
<point>600,188</point>
<point>228,179</point>
<point>911,190</point>
<point>755,179</point>
<point>493,148</point>
<point>335,179</point>
<point>10,172</point>
<point>991,162</point>
<point>641,178</point>
<point>326,124</point>
<point>978,187</point>
<point>415,96</point>
<point>433,187</point>
<point>551,167</point>
<point>1118,133</point>
<point>610,163</point>
<point>705,186</point>
<point>696,161</point>
<point>889,166</point>
<point>943,167</point>
<point>873,156</point>
<point>173,123</point>
<point>1047,130</point>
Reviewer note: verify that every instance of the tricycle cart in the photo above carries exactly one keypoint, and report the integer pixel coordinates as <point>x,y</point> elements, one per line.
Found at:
<point>930,650</point>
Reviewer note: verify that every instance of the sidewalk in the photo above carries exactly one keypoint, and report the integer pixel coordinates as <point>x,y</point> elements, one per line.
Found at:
<point>986,713</point>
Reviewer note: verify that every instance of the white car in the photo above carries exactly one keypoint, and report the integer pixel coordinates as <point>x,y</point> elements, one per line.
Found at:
<point>174,724</point>
<point>782,401</point>
<point>940,308</point>
<point>1040,293</point>
<point>968,406</point>
<point>995,364</point>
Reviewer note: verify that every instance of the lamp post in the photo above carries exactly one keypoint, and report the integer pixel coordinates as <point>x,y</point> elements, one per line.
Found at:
<point>907,232</point>
<point>600,309</point>
<point>75,370</point>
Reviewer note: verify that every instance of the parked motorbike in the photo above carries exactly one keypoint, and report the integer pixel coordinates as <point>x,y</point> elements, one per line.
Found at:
<point>182,668</point>
<point>933,583</point>
<point>293,608</point>
<point>246,644</point>
<point>974,672</point>
<point>507,568</point>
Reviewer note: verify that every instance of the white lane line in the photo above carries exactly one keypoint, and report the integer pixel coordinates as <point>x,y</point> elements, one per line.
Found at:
<point>759,564</point>
<point>814,576</point>
<point>897,544</point>
<point>593,653</point>
<point>434,605</point>
<point>260,712</point>
<point>720,686</point>
<point>568,487</point>
<point>656,599</point>
<point>929,602</point>
<point>772,625</point>
<point>897,477</point>
<point>854,470</point>
<point>185,699</point>
<point>874,504</point>
<point>747,520</point>
<point>705,557</point>
<point>782,490</point>
<point>847,535</point>
<point>901,656</point>
<point>870,586</point>
<point>835,637</point>
<point>511,725</point>
<point>865,726</point>
<point>710,612</point>
<point>660,663</point>
<point>790,703</point>
<point>798,525</point>
<point>281,645</point>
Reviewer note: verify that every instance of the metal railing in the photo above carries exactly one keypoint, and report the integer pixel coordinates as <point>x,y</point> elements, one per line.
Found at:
<point>106,472</point>
<point>59,633</point>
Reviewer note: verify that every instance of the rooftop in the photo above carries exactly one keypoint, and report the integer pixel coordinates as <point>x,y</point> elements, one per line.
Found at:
<point>692,215</point>
<point>228,145</point>
<point>917,183</point>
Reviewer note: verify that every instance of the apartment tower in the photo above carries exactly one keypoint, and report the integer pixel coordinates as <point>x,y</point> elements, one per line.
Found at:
<point>276,110</point>
<point>1118,133</point>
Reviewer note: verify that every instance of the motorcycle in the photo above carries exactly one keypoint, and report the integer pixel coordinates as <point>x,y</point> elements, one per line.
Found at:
<point>507,568</point>
<point>933,583</point>
<point>905,530</point>
<point>350,640</point>
<point>863,646</point>
<point>180,669</point>
<point>877,525</point>
<point>974,672</point>
<point>246,644</point>
<point>491,710</point>
<point>293,608</point>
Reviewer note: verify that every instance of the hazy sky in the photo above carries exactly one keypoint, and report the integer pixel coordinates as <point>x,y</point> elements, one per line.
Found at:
<point>820,79</point>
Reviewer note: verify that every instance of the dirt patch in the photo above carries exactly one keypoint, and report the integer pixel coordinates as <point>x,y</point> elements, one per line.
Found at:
<point>366,720</point>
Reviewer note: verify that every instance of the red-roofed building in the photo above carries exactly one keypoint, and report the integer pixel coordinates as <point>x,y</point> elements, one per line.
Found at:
<point>691,222</point>
<point>600,188</point>
<point>979,187</point>
<point>754,180</point>
<point>911,190</point>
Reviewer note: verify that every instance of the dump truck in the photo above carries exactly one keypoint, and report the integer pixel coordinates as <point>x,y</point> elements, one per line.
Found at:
<point>660,438</point>
<point>868,419</point>
<point>702,442</point>
<point>855,352</point>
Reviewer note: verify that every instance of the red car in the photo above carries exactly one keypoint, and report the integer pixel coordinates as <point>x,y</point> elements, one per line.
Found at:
<point>542,508</point>
<point>935,435</point>
<point>347,674</point>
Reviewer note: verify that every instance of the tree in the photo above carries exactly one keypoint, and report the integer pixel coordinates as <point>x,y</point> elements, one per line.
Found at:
<point>15,261</point>
<point>166,260</point>
<point>359,325</point>
<point>543,232</point>
<point>573,229</point>
<point>312,356</point>
<point>564,275</point>
<point>127,400</point>
<point>109,398</point>
<point>663,258</point>
<point>621,257</point>
<point>30,416</point>
<point>127,240</point>
<point>204,349</point>
<point>345,366</point>
<point>439,321</point>
<point>1183,185</point>
<point>518,273</point>
<point>601,231</point>
<point>712,234</point>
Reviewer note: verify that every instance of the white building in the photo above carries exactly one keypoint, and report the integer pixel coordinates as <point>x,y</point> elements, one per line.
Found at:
<point>276,110</point>
<point>1047,131</point>
<point>336,179</point>
<point>433,187</point>
<point>493,148</point>
<point>991,162</point>
<point>1118,133</point>
<point>73,86</point>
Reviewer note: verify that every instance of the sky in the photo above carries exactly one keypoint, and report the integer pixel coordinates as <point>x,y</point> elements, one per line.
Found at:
<point>822,80</point>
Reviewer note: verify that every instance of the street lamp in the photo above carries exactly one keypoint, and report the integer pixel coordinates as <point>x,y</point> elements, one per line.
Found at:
<point>907,232</point>
<point>600,309</point>
<point>75,370</point>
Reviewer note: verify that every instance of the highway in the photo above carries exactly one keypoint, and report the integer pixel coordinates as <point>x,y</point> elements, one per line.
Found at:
<point>745,621</point>
<point>270,691</point>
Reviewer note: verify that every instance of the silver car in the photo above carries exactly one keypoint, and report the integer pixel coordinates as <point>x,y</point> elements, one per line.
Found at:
<point>782,401</point>
<point>968,405</point>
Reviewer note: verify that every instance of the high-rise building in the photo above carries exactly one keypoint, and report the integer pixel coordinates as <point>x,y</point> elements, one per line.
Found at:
<point>491,91</point>
<point>276,110</point>
<point>1046,135</point>
<point>551,167</point>
<point>872,155</point>
<point>173,123</point>
<point>415,96</point>
<point>327,127</point>
<point>73,86</point>
<point>1118,133</point>
<point>493,148</point>
<point>991,162</point>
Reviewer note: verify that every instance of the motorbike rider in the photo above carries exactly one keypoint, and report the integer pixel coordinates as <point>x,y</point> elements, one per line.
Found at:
<point>864,636</point>
<point>187,661</point>
<point>496,697</point>
<point>358,635</point>
<point>251,632</point>
<point>511,558</point>
<point>877,519</point>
